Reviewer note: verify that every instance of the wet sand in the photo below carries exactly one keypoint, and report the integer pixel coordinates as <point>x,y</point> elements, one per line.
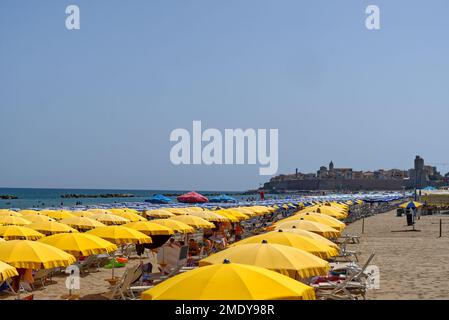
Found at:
<point>413,265</point>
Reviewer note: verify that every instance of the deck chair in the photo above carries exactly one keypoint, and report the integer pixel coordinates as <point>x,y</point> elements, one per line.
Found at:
<point>345,254</point>
<point>119,290</point>
<point>349,289</point>
<point>41,277</point>
<point>85,265</point>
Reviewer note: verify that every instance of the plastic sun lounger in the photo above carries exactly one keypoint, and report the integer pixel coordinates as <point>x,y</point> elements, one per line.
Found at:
<point>349,288</point>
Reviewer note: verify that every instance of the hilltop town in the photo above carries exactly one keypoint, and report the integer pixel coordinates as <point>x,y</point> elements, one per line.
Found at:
<point>332,178</point>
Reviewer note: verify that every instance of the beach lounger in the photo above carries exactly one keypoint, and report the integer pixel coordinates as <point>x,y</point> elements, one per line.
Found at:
<point>41,277</point>
<point>353,286</point>
<point>120,289</point>
<point>85,265</point>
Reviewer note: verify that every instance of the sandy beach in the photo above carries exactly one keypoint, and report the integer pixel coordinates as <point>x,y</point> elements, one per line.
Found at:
<point>413,265</point>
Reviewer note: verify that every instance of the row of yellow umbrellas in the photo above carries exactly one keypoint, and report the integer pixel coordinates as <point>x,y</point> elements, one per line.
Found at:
<point>296,248</point>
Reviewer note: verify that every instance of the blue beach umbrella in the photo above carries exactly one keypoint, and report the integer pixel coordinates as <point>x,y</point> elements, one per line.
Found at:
<point>159,198</point>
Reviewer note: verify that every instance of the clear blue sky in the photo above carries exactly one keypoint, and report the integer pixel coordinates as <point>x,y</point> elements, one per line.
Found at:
<point>94,108</point>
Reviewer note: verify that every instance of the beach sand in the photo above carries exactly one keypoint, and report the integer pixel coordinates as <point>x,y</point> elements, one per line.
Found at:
<point>413,265</point>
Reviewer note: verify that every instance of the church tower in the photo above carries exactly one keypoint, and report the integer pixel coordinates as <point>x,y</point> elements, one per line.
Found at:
<point>331,166</point>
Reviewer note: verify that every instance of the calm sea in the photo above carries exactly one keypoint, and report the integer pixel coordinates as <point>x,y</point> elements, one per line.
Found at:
<point>44,198</point>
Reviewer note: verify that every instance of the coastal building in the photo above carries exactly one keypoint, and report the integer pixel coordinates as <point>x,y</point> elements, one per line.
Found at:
<point>334,178</point>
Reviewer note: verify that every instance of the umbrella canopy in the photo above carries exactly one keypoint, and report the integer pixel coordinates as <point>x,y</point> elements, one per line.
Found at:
<point>33,255</point>
<point>38,218</point>
<point>159,214</point>
<point>84,214</point>
<point>312,235</point>
<point>222,198</point>
<point>28,212</point>
<point>228,215</point>
<point>177,211</point>
<point>290,261</point>
<point>193,221</point>
<point>120,235</point>
<point>239,215</point>
<point>98,210</point>
<point>159,198</point>
<point>192,197</point>
<point>326,210</point>
<point>19,233</point>
<point>176,226</point>
<point>209,216</point>
<point>58,214</point>
<point>7,271</point>
<point>82,223</point>
<point>9,213</point>
<point>13,220</point>
<point>310,245</point>
<point>109,219</point>
<point>79,244</point>
<point>245,211</point>
<point>51,227</point>
<point>128,214</point>
<point>407,205</point>
<point>229,281</point>
<point>149,228</point>
<point>317,217</point>
<point>311,226</point>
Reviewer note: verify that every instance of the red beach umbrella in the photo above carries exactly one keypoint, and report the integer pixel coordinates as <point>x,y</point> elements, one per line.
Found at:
<point>192,197</point>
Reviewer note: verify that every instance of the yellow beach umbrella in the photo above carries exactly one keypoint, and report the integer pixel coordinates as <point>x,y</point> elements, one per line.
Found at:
<point>239,215</point>
<point>19,233</point>
<point>245,211</point>
<point>149,228</point>
<point>311,226</point>
<point>97,211</point>
<point>337,213</point>
<point>193,221</point>
<point>128,214</point>
<point>229,216</point>
<point>230,281</point>
<point>289,261</point>
<point>7,271</point>
<point>109,219</point>
<point>209,216</point>
<point>317,217</point>
<point>79,244</point>
<point>33,255</point>
<point>9,213</point>
<point>38,218</point>
<point>29,212</point>
<point>83,214</point>
<point>176,211</point>
<point>120,235</point>
<point>58,214</point>
<point>159,214</point>
<point>176,226</point>
<point>193,209</point>
<point>13,220</point>
<point>51,227</point>
<point>312,246</point>
<point>82,223</point>
<point>312,235</point>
